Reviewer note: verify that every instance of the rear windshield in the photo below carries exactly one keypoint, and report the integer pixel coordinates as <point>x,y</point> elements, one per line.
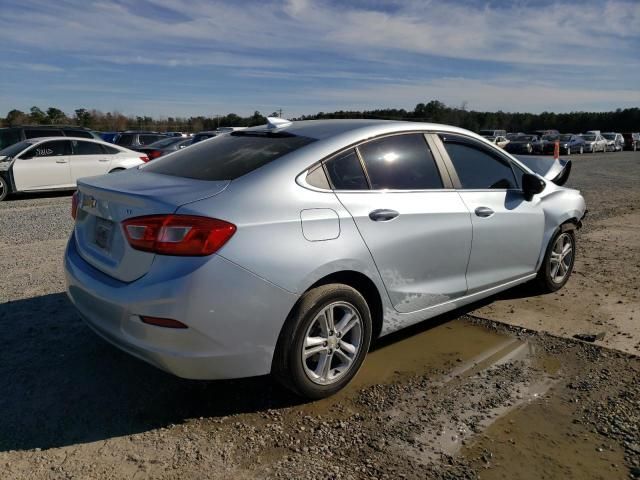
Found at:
<point>8,137</point>
<point>227,157</point>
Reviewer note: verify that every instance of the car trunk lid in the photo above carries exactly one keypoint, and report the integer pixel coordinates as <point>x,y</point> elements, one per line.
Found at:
<point>105,201</point>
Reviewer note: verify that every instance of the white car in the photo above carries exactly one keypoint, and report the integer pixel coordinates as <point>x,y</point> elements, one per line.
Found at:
<point>56,163</point>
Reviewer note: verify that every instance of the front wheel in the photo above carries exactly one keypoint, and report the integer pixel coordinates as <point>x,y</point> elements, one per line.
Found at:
<point>558,262</point>
<point>323,342</point>
<point>4,188</point>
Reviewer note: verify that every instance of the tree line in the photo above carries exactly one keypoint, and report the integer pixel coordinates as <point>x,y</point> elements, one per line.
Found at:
<point>620,120</point>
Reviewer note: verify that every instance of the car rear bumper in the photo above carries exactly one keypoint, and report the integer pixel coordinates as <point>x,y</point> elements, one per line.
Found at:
<point>233,317</point>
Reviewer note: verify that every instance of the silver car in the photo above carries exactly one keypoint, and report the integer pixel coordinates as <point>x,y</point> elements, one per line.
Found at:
<point>287,248</point>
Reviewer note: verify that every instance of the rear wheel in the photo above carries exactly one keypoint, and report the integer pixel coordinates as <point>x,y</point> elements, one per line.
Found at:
<point>4,189</point>
<point>323,342</point>
<point>558,262</point>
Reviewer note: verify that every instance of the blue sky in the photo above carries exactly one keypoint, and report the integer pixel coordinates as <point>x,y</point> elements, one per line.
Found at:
<point>205,57</point>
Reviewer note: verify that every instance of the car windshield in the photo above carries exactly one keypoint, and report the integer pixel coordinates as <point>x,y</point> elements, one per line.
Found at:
<point>565,138</point>
<point>13,150</point>
<point>589,138</point>
<point>228,156</point>
<point>609,136</point>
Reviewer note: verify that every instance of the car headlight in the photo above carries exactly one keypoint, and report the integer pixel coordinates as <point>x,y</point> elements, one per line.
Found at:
<point>5,163</point>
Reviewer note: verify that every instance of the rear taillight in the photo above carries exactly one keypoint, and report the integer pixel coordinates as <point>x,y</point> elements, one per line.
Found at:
<point>74,205</point>
<point>144,158</point>
<point>154,154</point>
<point>178,234</point>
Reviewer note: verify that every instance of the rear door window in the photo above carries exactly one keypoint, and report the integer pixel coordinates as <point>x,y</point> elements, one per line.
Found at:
<point>477,168</point>
<point>400,162</point>
<point>228,156</point>
<point>35,133</point>
<point>125,139</point>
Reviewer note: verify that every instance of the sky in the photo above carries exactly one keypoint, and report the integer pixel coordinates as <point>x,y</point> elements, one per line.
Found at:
<point>167,58</point>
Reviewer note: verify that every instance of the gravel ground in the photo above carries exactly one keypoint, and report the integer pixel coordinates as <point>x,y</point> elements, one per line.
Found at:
<point>484,393</point>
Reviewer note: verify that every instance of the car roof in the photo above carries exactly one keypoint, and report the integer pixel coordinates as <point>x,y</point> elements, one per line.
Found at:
<point>60,137</point>
<point>324,129</point>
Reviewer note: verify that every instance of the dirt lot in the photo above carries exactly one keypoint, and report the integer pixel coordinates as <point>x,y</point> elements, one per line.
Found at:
<point>475,394</point>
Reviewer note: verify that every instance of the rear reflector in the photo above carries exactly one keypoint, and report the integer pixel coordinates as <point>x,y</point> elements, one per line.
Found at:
<point>163,322</point>
<point>74,205</point>
<point>184,235</point>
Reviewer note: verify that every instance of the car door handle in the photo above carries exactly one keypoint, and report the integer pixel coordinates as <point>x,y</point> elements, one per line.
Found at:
<point>103,159</point>
<point>484,212</point>
<point>62,160</point>
<point>383,215</point>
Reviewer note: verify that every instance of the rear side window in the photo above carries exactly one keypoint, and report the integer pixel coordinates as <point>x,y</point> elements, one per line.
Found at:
<point>78,133</point>
<point>228,156</point>
<point>345,172</point>
<point>86,148</point>
<point>477,168</point>
<point>400,162</point>
<point>125,139</point>
<point>148,139</point>
<point>31,133</point>
<point>9,137</point>
<point>109,150</point>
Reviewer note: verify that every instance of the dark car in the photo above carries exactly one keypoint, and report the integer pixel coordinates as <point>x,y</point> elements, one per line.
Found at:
<point>198,137</point>
<point>541,133</point>
<point>108,136</point>
<point>164,146</point>
<point>569,143</point>
<point>11,135</point>
<point>524,144</point>
<point>631,141</point>
<point>134,139</point>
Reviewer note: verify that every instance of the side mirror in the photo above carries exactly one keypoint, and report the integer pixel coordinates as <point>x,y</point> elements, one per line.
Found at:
<point>531,185</point>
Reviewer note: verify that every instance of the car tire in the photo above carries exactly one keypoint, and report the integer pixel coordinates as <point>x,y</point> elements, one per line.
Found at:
<point>4,188</point>
<point>340,352</point>
<point>529,149</point>
<point>556,267</point>
<point>581,150</point>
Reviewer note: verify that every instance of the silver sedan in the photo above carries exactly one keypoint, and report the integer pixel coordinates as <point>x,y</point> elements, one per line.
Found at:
<point>288,248</point>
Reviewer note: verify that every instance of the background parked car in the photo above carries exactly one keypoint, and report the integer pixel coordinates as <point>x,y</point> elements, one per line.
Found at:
<point>108,137</point>
<point>56,163</point>
<point>569,143</point>
<point>500,140</point>
<point>524,144</point>
<point>541,133</point>
<point>615,141</point>
<point>134,139</point>
<point>493,133</point>
<point>198,137</point>
<point>11,135</point>
<point>164,146</point>
<point>631,141</point>
<point>594,142</point>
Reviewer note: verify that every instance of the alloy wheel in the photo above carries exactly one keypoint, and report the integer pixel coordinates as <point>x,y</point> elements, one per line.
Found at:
<point>561,258</point>
<point>332,343</point>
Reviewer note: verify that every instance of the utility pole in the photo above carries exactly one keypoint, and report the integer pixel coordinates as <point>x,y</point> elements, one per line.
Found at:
<point>279,113</point>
